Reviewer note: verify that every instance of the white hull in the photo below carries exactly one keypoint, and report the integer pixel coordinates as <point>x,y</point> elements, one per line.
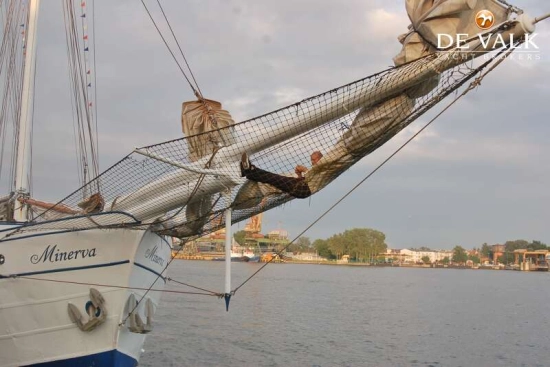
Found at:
<point>35,326</point>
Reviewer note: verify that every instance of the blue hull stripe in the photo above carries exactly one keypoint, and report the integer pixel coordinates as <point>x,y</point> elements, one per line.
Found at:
<point>66,269</point>
<point>112,358</point>
<point>151,270</point>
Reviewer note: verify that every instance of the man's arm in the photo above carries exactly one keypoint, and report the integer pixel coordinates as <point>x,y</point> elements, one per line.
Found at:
<point>300,171</point>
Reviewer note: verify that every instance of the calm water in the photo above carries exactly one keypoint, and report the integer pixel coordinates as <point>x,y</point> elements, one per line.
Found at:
<point>313,315</point>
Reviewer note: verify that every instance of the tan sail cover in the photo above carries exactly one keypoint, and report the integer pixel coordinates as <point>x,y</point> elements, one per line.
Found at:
<point>431,18</point>
<point>200,117</point>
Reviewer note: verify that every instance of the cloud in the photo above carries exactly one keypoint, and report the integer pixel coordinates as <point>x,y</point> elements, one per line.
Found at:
<point>286,96</point>
<point>383,25</point>
<point>241,107</point>
<point>430,145</point>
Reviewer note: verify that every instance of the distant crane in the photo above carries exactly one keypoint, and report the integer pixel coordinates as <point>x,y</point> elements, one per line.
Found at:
<point>254,225</point>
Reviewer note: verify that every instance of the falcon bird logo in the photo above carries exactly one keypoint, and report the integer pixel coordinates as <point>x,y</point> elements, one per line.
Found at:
<point>485,19</point>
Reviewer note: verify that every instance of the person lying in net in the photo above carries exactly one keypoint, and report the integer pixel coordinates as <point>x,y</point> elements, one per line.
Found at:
<point>297,187</point>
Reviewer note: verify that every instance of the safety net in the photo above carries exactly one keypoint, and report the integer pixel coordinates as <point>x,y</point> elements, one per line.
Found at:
<point>183,187</point>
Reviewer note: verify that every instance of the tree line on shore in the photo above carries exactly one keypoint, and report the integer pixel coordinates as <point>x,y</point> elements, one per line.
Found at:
<point>367,244</point>
<point>361,244</point>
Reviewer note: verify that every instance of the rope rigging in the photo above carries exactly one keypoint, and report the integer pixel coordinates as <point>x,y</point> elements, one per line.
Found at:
<point>179,47</point>
<point>80,83</point>
<point>195,88</point>
<point>346,124</point>
<point>173,256</point>
<point>541,18</point>
<point>208,293</point>
<point>14,16</point>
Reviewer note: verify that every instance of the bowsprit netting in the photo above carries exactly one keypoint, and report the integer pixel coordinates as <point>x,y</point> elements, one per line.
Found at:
<point>167,192</point>
<point>182,187</point>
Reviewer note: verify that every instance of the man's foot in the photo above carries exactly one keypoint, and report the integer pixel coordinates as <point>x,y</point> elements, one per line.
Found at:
<point>245,164</point>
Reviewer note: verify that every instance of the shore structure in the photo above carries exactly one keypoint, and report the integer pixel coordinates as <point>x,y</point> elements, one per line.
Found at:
<point>415,256</point>
<point>527,260</point>
<point>255,243</point>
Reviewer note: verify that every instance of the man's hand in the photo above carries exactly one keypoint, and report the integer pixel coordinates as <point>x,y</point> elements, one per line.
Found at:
<point>300,171</point>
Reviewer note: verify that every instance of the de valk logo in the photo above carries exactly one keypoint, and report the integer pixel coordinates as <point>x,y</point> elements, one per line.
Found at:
<point>485,19</point>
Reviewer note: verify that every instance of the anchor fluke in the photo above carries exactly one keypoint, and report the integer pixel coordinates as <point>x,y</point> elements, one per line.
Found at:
<point>136,323</point>
<point>95,308</point>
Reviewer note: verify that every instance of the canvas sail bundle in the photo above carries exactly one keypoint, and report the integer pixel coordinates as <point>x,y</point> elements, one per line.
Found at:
<point>182,187</point>
<point>436,23</point>
<point>204,123</point>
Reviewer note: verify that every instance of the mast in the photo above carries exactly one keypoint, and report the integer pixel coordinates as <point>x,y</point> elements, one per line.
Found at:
<point>23,165</point>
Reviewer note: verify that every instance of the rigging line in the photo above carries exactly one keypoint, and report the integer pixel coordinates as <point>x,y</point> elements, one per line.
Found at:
<point>14,77</point>
<point>32,122</point>
<point>84,116</point>
<point>74,102</point>
<point>170,50</point>
<point>195,189</point>
<point>198,93</point>
<point>25,143</point>
<point>8,56</point>
<point>104,285</point>
<point>80,159</point>
<point>95,91</point>
<point>17,61</point>
<point>86,96</point>
<point>192,286</point>
<point>181,51</point>
<point>75,192</point>
<point>183,206</point>
<point>151,286</point>
<point>75,66</point>
<point>511,7</point>
<point>83,67</point>
<point>472,85</point>
<point>541,18</point>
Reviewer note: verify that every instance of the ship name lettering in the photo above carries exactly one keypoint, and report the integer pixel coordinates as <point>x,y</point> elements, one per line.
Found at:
<point>152,256</point>
<point>53,254</point>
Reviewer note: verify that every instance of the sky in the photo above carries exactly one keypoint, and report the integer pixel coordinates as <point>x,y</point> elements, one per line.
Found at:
<point>479,174</point>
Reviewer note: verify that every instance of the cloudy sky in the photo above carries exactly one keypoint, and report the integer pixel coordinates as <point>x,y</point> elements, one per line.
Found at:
<point>479,174</point>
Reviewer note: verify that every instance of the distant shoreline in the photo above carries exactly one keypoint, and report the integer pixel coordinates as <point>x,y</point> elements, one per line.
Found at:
<point>335,263</point>
<point>429,266</point>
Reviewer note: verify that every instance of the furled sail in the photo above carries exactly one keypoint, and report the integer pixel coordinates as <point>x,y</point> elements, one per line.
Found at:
<point>182,187</point>
<point>436,23</point>
<point>208,128</point>
<point>432,23</point>
<point>204,122</point>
